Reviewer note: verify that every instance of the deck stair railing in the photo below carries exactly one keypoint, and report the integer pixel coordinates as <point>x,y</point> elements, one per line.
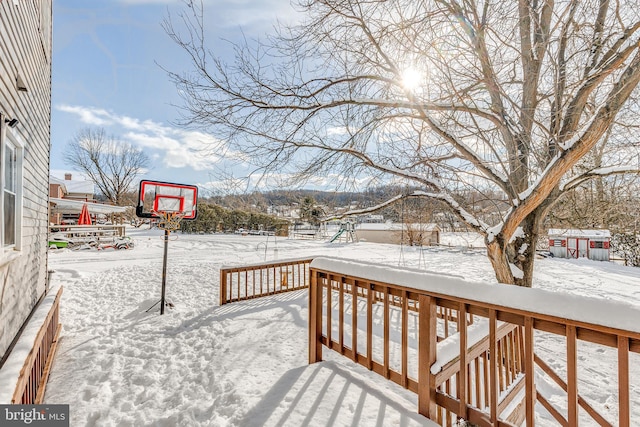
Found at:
<point>474,351</point>
<point>245,282</point>
<point>32,380</point>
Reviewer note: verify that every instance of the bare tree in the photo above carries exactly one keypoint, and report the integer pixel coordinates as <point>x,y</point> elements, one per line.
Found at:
<point>109,162</point>
<point>499,97</point>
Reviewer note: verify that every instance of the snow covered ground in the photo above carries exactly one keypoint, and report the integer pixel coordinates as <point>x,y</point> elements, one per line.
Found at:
<point>246,364</point>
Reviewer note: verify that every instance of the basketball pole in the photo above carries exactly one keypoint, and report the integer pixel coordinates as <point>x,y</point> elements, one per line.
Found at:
<point>164,269</point>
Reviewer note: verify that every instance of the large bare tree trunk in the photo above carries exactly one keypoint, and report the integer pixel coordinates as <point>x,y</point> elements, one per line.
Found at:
<point>512,96</point>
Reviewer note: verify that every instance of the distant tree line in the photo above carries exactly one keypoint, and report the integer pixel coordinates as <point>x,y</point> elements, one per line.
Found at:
<point>214,218</point>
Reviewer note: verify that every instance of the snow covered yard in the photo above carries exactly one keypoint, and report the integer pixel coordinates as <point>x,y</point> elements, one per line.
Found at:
<point>246,364</point>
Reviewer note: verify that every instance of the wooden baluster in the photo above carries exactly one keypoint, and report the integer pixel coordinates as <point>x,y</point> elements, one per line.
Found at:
<point>485,375</point>
<point>623,382</point>
<point>572,376</point>
<point>238,285</point>
<point>329,281</point>
<point>499,366</point>
<point>476,363</point>
<point>370,302</point>
<point>253,282</point>
<point>386,333</point>
<point>405,339</point>
<point>462,381</point>
<point>447,413</point>
<point>354,320</point>
<point>341,316</point>
<point>493,362</point>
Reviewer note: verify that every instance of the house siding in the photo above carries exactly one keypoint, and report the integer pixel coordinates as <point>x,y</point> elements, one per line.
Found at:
<point>25,52</point>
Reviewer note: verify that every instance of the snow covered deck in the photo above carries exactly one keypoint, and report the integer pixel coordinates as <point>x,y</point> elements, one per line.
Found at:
<point>491,319</point>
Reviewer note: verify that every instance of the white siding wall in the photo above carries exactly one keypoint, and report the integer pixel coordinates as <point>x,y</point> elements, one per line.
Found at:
<point>25,53</point>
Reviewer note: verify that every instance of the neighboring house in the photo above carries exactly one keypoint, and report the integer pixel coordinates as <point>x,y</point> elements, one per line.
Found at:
<point>25,122</point>
<point>81,191</point>
<point>67,197</point>
<point>592,244</point>
<point>57,190</point>
<point>75,189</point>
<point>390,232</point>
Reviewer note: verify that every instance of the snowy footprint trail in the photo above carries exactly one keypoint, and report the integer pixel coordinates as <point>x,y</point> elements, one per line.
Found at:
<point>246,364</point>
<point>200,364</point>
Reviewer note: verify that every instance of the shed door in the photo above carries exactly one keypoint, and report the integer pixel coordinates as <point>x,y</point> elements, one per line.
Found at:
<point>572,247</point>
<point>583,248</point>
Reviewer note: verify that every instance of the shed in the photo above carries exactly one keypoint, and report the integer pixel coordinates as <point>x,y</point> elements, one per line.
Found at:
<point>415,234</point>
<point>572,243</point>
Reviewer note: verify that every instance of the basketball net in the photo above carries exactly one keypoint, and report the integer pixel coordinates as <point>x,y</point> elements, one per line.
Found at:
<point>169,221</point>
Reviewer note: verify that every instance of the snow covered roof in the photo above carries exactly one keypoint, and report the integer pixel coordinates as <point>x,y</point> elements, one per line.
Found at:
<point>567,232</point>
<point>75,206</point>
<point>395,226</point>
<point>74,186</point>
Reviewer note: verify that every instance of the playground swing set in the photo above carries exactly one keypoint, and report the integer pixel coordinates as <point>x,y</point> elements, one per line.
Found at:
<point>346,231</point>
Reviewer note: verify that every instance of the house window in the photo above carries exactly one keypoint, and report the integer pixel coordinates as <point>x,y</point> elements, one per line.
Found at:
<point>11,201</point>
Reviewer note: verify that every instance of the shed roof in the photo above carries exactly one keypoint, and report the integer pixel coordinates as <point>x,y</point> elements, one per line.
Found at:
<point>568,232</point>
<point>75,206</point>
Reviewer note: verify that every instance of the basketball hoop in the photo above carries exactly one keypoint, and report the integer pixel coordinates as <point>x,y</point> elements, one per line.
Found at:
<point>169,221</point>
<point>170,203</point>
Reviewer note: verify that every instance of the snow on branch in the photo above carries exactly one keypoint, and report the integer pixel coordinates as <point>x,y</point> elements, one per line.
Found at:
<point>459,210</point>
<point>575,181</point>
<point>370,209</point>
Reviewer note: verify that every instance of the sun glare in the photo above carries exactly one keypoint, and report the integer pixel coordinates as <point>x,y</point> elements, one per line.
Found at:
<point>411,78</point>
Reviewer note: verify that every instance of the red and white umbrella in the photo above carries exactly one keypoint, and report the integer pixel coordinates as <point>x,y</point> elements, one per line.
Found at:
<point>85,218</point>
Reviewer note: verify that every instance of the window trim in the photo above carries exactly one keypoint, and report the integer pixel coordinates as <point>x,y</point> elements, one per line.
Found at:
<point>8,136</point>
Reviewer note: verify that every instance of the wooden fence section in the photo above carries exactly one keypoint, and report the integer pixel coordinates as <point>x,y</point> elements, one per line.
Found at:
<point>34,374</point>
<point>252,281</point>
<point>484,371</point>
<point>88,231</point>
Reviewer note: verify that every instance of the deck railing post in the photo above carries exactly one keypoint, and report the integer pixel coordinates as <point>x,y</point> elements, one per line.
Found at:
<point>427,342</point>
<point>529,372</point>
<point>315,319</point>
<point>223,287</point>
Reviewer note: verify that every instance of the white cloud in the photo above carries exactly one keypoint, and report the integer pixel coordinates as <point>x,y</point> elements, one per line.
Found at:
<point>90,116</point>
<point>177,148</point>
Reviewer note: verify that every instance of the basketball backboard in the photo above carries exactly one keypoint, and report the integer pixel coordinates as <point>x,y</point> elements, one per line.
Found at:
<point>157,196</point>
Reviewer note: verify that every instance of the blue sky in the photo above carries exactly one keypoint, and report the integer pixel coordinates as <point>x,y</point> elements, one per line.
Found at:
<point>106,74</point>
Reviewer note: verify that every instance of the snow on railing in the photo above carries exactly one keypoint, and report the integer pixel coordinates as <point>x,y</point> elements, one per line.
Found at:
<point>30,361</point>
<point>490,372</point>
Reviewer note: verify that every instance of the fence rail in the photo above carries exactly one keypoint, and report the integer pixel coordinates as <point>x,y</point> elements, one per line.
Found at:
<point>34,374</point>
<point>253,281</point>
<point>487,369</point>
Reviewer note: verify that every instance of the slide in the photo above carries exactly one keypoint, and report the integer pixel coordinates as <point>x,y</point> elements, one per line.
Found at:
<point>337,235</point>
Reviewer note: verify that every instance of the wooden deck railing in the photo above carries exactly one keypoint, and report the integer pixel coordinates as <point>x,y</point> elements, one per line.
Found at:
<point>256,280</point>
<point>34,374</point>
<point>487,371</point>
